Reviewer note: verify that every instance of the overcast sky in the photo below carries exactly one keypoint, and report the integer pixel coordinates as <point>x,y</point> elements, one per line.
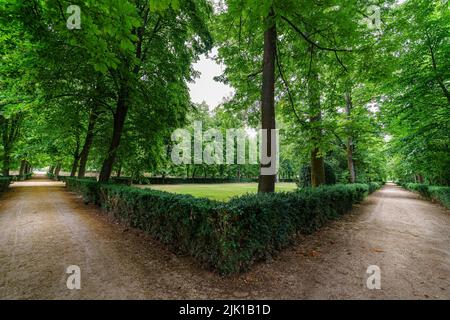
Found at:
<point>205,88</point>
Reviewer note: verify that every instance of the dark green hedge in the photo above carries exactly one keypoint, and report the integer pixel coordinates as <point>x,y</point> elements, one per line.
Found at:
<point>228,237</point>
<point>436,193</point>
<point>159,180</point>
<point>4,183</point>
<point>88,188</point>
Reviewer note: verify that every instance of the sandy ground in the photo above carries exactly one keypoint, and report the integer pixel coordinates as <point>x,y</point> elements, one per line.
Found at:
<point>44,229</point>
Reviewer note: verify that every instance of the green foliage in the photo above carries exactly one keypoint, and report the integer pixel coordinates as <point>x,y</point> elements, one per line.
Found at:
<point>228,237</point>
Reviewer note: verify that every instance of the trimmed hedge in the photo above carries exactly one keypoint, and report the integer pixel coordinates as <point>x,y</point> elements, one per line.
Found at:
<point>159,180</point>
<point>228,237</point>
<point>436,193</point>
<point>4,183</point>
<point>88,188</point>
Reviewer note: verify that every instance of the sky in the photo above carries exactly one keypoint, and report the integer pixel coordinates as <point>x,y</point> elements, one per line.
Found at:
<point>205,88</point>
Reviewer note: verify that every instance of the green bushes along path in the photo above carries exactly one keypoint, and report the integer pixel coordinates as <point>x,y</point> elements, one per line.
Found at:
<point>228,237</point>
<point>435,193</point>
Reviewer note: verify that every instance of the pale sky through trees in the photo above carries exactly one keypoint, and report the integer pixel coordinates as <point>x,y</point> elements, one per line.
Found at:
<point>205,87</point>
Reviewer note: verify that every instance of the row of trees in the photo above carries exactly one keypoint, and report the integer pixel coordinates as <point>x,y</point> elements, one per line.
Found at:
<point>367,99</point>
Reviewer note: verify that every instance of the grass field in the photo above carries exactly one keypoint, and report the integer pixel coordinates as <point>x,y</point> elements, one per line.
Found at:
<point>221,192</point>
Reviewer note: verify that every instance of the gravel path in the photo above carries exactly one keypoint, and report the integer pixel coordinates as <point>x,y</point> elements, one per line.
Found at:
<point>44,229</point>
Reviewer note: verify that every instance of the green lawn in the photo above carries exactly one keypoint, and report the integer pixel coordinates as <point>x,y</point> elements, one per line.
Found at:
<point>221,192</point>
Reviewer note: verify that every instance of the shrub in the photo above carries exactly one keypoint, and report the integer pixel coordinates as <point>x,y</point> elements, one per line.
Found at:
<point>4,183</point>
<point>159,180</point>
<point>88,188</point>
<point>436,193</point>
<point>120,180</point>
<point>374,186</point>
<point>441,194</point>
<point>228,237</point>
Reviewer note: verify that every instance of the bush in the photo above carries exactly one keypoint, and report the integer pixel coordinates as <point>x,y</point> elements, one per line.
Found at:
<point>4,183</point>
<point>120,180</point>
<point>436,193</point>
<point>441,194</point>
<point>374,186</point>
<point>158,180</point>
<point>305,175</point>
<point>228,237</point>
<point>88,188</point>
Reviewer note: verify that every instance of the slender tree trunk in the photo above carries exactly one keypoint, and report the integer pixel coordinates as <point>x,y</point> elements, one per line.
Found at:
<point>421,179</point>
<point>119,121</point>
<point>267,182</point>
<point>22,168</point>
<point>57,169</point>
<point>51,170</point>
<point>317,168</point>
<point>27,167</point>
<point>87,143</point>
<point>350,146</point>
<point>6,162</point>
<point>76,160</point>
<point>317,160</point>
<point>119,171</point>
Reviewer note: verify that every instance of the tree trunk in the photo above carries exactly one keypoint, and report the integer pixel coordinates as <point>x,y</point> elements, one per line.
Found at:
<point>51,170</point>
<point>317,160</point>
<point>22,168</point>
<point>421,179</point>
<point>87,143</point>
<point>57,169</point>
<point>6,163</point>
<point>350,146</point>
<point>119,121</point>
<point>76,160</point>
<point>27,167</point>
<point>267,182</point>
<point>317,169</point>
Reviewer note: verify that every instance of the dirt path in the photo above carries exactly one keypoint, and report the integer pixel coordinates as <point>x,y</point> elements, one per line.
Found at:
<point>44,229</point>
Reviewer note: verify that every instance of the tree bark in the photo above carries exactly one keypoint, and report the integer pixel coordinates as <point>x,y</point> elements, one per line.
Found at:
<point>6,162</point>
<point>267,182</point>
<point>317,168</point>
<point>57,169</point>
<point>119,121</point>
<point>317,160</point>
<point>350,146</point>
<point>76,160</point>
<point>22,168</point>
<point>84,155</point>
